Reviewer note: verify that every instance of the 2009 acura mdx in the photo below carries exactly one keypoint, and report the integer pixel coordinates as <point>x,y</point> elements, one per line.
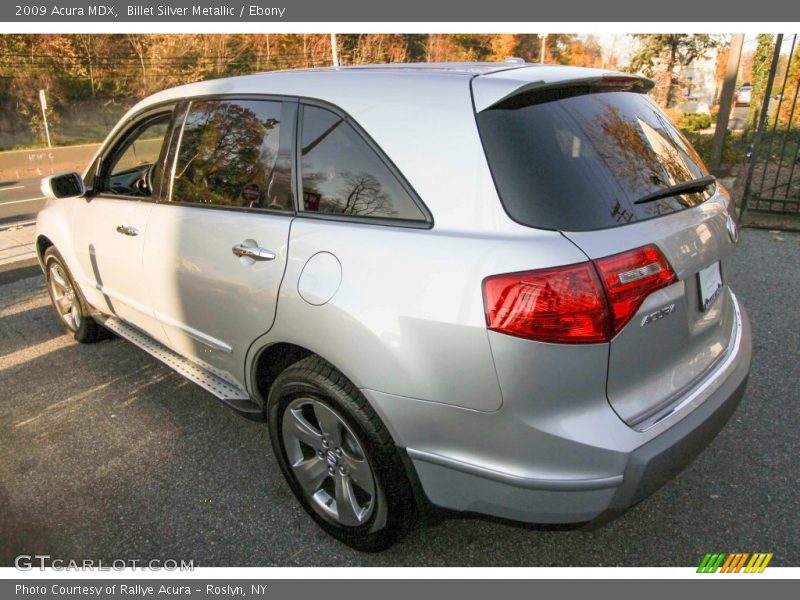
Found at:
<point>495,288</point>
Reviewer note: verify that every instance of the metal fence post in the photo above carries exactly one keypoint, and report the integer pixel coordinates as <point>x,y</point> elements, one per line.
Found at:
<point>762,121</point>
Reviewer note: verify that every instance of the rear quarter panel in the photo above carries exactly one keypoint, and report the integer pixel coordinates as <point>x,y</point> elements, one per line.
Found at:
<point>408,317</point>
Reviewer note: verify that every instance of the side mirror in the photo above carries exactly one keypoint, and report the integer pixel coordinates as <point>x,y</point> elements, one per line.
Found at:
<point>67,185</point>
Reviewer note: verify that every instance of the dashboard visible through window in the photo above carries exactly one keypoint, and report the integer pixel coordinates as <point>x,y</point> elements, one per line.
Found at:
<point>135,167</point>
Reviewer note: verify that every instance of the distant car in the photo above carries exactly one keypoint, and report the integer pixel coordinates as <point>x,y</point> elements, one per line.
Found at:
<point>495,288</point>
<point>744,95</point>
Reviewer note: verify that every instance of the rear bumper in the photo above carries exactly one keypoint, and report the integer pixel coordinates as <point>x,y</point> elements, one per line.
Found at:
<point>629,466</point>
<point>654,464</point>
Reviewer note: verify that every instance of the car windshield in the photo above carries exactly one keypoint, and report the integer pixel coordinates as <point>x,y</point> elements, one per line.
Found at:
<point>581,162</point>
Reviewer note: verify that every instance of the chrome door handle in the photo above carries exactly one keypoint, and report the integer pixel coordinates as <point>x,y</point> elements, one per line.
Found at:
<point>254,252</point>
<point>127,230</point>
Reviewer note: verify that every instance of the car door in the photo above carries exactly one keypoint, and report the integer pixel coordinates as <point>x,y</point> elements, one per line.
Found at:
<point>110,224</point>
<point>216,251</point>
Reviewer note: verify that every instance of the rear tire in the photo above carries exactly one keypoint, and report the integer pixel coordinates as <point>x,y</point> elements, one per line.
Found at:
<point>68,302</point>
<point>337,456</point>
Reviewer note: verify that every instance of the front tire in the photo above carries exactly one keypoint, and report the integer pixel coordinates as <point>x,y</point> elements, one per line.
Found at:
<point>337,456</point>
<point>67,301</point>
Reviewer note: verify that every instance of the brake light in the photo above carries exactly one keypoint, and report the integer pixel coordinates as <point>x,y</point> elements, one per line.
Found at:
<point>629,278</point>
<point>565,304</point>
<point>577,304</point>
<point>622,83</point>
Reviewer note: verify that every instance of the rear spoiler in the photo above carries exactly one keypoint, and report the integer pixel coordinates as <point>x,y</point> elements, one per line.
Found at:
<point>534,92</point>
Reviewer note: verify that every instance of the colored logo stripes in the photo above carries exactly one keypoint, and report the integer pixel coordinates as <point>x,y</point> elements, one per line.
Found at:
<point>734,563</point>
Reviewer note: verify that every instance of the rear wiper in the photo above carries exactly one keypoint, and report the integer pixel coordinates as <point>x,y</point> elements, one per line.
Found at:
<point>687,187</point>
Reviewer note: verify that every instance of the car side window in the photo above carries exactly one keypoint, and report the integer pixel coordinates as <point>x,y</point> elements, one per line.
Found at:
<point>135,166</point>
<point>343,175</point>
<point>231,155</point>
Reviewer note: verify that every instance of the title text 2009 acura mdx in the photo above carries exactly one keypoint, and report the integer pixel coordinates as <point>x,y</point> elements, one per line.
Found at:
<point>496,288</point>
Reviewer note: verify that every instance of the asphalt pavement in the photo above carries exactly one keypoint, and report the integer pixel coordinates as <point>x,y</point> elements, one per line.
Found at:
<point>738,118</point>
<point>107,454</point>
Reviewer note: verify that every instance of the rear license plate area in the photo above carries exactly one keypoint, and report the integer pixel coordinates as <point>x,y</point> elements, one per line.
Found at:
<point>709,282</point>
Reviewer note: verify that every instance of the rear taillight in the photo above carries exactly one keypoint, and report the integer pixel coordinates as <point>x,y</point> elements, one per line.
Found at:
<point>565,304</point>
<point>576,304</point>
<point>629,278</point>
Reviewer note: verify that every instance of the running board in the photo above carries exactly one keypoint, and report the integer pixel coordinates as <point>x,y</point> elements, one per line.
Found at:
<point>230,394</point>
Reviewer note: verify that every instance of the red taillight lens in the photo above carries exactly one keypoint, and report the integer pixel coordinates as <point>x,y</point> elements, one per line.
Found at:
<point>565,304</point>
<point>572,304</point>
<point>629,278</point>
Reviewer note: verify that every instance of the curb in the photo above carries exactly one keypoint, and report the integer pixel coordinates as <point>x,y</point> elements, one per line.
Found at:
<point>24,248</point>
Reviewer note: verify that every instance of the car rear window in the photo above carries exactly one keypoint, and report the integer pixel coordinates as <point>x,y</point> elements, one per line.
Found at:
<point>578,162</point>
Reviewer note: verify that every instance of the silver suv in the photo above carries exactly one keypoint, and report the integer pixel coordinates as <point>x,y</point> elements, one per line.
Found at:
<point>492,288</point>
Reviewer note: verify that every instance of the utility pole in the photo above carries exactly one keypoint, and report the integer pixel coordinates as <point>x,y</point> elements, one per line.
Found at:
<point>726,100</point>
<point>43,102</point>
<point>543,38</point>
<point>334,51</point>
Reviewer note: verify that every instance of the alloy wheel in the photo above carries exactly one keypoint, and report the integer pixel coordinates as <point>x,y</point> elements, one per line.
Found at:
<point>64,297</point>
<point>329,463</point>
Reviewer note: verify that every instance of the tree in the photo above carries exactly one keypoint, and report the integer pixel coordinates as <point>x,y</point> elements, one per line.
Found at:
<point>746,67</point>
<point>761,63</point>
<point>584,51</point>
<point>91,47</point>
<point>790,108</point>
<point>663,56</point>
<point>372,48</point>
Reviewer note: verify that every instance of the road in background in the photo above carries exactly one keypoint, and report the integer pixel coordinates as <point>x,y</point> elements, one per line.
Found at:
<point>109,454</point>
<point>738,118</point>
<point>20,199</point>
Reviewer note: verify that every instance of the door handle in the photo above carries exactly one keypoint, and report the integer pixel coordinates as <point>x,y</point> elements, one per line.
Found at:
<point>127,230</point>
<point>254,252</point>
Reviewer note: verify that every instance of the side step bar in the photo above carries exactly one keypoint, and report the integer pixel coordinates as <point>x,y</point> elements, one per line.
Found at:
<point>230,394</point>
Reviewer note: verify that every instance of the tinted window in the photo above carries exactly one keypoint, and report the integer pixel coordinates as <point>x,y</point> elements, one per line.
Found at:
<point>230,154</point>
<point>343,175</point>
<point>580,162</point>
<point>135,166</point>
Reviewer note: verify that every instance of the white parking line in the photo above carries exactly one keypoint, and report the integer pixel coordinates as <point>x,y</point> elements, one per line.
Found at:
<point>13,187</point>
<point>20,201</point>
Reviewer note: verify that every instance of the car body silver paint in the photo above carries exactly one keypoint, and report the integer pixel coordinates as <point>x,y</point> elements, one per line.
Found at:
<point>408,317</point>
<point>211,303</point>
<point>492,423</point>
<point>547,456</point>
<point>109,264</point>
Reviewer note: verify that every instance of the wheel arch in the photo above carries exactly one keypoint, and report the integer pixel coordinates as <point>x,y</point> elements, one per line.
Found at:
<point>42,244</point>
<point>268,363</point>
<point>272,359</point>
